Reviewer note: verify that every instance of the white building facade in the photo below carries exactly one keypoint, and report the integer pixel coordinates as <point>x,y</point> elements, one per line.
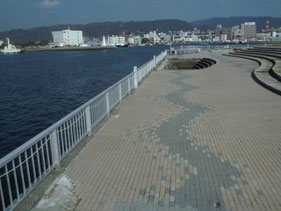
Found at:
<point>68,37</point>
<point>116,41</point>
<point>250,30</point>
<point>1,42</point>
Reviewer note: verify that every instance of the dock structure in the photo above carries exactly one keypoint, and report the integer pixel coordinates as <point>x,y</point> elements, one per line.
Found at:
<point>199,139</point>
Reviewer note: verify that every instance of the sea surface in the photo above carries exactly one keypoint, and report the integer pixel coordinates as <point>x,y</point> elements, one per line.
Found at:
<point>39,88</point>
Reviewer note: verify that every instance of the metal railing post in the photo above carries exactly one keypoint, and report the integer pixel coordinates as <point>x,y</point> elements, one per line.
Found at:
<point>154,59</point>
<point>135,77</point>
<point>129,86</point>
<point>88,121</point>
<point>107,103</point>
<point>55,149</point>
<point>120,92</point>
<point>2,196</point>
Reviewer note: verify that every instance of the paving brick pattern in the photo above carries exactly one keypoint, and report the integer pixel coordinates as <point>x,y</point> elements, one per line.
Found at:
<point>187,140</point>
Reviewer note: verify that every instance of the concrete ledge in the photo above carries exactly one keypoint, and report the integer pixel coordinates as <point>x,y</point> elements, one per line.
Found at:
<point>261,76</point>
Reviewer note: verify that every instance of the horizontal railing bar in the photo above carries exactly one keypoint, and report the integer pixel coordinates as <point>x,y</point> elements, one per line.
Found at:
<point>25,160</point>
<point>140,67</point>
<point>47,131</point>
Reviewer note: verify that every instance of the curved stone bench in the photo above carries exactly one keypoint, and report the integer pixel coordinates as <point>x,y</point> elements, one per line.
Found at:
<point>272,51</point>
<point>275,71</point>
<point>273,48</point>
<point>261,74</point>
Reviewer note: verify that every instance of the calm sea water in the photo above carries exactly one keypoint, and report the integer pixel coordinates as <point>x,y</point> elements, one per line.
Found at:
<point>37,89</point>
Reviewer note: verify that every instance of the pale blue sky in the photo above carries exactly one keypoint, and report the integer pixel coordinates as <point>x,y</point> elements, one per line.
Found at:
<point>32,13</point>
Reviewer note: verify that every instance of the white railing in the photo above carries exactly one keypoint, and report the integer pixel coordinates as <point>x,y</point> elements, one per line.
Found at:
<point>180,51</point>
<point>22,169</point>
<point>186,49</point>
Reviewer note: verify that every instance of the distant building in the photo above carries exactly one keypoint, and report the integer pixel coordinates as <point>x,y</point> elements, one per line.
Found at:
<point>116,40</point>
<point>227,31</point>
<point>210,37</point>
<point>156,38</point>
<point>216,39</point>
<point>153,37</point>
<point>93,42</point>
<point>137,40</point>
<point>134,40</point>
<point>238,32</point>
<point>267,26</point>
<point>223,37</point>
<point>131,40</point>
<point>68,37</point>
<point>219,30</point>
<point>167,38</point>
<point>196,31</point>
<point>1,42</point>
<point>103,41</point>
<point>250,30</point>
<point>263,36</point>
<point>276,37</point>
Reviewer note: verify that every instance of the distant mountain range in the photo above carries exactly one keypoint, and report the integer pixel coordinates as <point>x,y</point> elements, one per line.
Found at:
<point>136,27</point>
<point>211,23</point>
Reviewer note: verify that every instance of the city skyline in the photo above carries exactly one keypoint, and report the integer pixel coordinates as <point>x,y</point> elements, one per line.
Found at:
<point>34,13</point>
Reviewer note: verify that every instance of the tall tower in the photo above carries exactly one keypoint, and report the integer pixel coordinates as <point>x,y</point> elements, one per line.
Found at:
<point>267,29</point>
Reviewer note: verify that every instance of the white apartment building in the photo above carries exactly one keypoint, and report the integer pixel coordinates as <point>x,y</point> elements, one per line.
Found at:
<point>1,42</point>
<point>68,37</point>
<point>116,41</point>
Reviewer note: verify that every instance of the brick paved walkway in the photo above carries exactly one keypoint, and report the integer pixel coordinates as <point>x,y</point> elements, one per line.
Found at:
<point>184,141</point>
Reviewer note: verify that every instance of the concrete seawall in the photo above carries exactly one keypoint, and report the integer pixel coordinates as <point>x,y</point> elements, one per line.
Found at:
<point>70,49</point>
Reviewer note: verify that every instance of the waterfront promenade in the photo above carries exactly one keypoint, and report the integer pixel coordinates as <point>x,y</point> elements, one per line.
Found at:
<point>204,139</point>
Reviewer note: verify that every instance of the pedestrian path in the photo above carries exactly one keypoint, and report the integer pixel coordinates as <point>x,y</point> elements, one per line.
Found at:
<point>204,139</point>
